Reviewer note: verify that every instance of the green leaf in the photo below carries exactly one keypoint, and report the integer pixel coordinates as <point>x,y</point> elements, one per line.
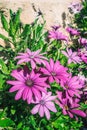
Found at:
<point>32,121</point>
<point>11,29</point>
<point>1,48</point>
<point>2,113</point>
<point>11,13</point>
<point>6,122</point>
<point>14,23</point>
<point>3,67</point>
<point>4,22</point>
<point>4,37</point>
<point>17,18</point>
<point>26,31</point>
<point>72,65</point>
<point>1,81</point>
<point>19,126</point>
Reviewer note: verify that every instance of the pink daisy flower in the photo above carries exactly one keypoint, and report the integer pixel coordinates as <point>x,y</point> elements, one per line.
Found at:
<point>55,72</point>
<point>72,87</point>
<point>82,79</point>
<point>83,54</point>
<point>84,58</point>
<point>44,105</point>
<point>32,57</point>
<point>72,56</point>
<point>27,84</point>
<point>72,31</point>
<point>75,7</point>
<point>69,108</point>
<point>82,41</point>
<point>57,35</point>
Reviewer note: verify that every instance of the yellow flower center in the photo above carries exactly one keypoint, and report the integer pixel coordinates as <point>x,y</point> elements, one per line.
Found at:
<point>66,107</point>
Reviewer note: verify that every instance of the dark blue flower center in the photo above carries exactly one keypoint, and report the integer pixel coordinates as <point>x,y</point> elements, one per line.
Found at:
<point>29,83</point>
<point>42,102</point>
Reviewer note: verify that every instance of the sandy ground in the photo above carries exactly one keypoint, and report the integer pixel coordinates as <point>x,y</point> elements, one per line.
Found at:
<point>55,11</point>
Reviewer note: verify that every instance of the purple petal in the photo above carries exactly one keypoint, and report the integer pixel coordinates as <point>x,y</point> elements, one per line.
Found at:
<point>29,96</point>
<point>79,112</point>
<point>64,111</point>
<point>65,53</point>
<point>51,64</point>
<point>41,111</point>
<point>36,92</point>
<point>51,98</point>
<point>51,79</point>
<point>40,88</point>
<point>70,114</point>
<point>15,88</point>
<point>16,74</point>
<point>28,51</point>
<point>25,93</point>
<point>47,113</point>
<point>48,66</point>
<point>51,106</point>
<point>69,61</point>
<point>35,109</point>
<point>33,65</point>
<point>45,96</point>
<point>19,94</point>
<point>56,66</point>
<point>23,60</point>
<point>57,102</point>
<point>45,71</point>
<point>32,74</point>
<point>36,52</point>
<point>15,82</point>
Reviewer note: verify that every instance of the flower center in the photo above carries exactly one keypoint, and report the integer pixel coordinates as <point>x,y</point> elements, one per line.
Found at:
<point>53,73</point>
<point>42,102</point>
<point>31,56</point>
<point>66,87</point>
<point>66,107</point>
<point>29,83</point>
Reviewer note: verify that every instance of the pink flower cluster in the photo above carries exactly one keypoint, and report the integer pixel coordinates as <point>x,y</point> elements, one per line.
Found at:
<point>83,54</point>
<point>75,7</point>
<point>33,85</point>
<point>72,56</point>
<point>72,31</point>
<point>56,34</point>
